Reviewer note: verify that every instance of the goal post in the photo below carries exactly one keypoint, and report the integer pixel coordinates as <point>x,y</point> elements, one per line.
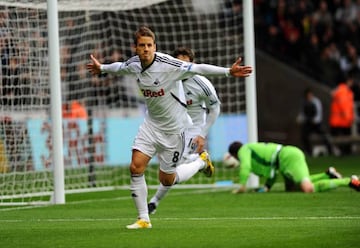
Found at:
<point>250,82</point>
<point>101,114</point>
<point>58,196</point>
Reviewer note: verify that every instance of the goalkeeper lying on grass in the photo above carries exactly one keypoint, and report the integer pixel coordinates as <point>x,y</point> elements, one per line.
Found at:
<point>270,159</point>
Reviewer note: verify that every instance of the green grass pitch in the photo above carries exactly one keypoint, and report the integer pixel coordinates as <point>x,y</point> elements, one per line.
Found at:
<point>209,218</point>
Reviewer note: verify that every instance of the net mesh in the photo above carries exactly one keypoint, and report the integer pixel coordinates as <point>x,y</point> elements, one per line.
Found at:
<point>213,29</point>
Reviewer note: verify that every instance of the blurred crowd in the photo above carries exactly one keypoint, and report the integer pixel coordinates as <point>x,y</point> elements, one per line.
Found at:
<point>24,63</point>
<point>320,38</point>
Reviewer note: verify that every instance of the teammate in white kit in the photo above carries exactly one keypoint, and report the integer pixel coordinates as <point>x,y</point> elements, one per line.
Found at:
<point>203,106</point>
<point>162,132</point>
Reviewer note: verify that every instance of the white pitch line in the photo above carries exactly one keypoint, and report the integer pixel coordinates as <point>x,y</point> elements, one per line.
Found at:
<point>187,219</point>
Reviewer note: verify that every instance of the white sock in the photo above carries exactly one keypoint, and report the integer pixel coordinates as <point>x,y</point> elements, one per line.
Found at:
<point>190,157</point>
<point>186,171</point>
<point>160,193</point>
<point>139,194</point>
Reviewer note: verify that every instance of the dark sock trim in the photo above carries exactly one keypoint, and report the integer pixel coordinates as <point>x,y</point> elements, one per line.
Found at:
<point>137,175</point>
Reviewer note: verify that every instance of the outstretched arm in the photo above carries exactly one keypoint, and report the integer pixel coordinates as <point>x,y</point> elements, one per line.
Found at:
<point>94,66</point>
<point>236,70</point>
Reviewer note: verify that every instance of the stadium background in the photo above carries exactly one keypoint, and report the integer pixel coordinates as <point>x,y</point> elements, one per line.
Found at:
<point>209,217</point>
<point>281,76</point>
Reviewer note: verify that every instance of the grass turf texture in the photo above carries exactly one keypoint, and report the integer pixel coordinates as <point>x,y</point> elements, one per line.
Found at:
<point>196,218</point>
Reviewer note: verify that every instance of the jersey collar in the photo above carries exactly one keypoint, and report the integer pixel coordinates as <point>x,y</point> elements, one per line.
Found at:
<point>152,62</point>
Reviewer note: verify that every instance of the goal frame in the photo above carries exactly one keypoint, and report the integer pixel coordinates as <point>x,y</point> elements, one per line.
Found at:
<point>58,195</point>
<point>250,82</point>
<point>55,98</point>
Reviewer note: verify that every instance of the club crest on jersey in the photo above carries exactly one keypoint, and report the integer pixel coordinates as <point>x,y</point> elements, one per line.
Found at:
<point>157,82</point>
<point>150,93</point>
<point>212,102</point>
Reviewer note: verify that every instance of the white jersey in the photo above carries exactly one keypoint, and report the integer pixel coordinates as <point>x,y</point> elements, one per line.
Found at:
<point>160,84</point>
<point>203,104</point>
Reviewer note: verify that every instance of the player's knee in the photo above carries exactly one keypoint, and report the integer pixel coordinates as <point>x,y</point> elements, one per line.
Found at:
<point>167,182</point>
<point>167,179</point>
<point>136,169</point>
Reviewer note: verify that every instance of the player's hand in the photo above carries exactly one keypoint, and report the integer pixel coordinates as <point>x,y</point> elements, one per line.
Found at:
<point>200,143</point>
<point>238,70</point>
<point>94,66</point>
<point>239,190</point>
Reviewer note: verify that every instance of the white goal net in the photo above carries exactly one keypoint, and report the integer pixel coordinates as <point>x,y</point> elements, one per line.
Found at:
<point>100,114</point>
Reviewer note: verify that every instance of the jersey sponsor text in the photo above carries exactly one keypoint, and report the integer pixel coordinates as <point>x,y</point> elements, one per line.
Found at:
<point>150,93</point>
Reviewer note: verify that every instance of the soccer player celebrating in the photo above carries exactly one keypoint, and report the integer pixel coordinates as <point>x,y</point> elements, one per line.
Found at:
<point>269,159</point>
<point>203,106</point>
<point>162,132</point>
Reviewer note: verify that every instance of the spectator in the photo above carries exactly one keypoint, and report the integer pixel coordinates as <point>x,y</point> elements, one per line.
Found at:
<point>356,91</point>
<point>231,18</point>
<point>292,38</point>
<point>347,13</point>
<point>326,27</point>
<point>15,81</point>
<point>303,17</point>
<point>311,54</point>
<point>80,86</point>
<point>330,71</point>
<point>334,5</point>
<point>312,121</point>
<point>352,35</point>
<point>350,62</point>
<point>342,112</point>
<point>74,110</point>
<point>322,17</point>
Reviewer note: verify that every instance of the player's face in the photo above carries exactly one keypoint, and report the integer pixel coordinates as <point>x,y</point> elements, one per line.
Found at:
<point>183,58</point>
<point>145,49</point>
